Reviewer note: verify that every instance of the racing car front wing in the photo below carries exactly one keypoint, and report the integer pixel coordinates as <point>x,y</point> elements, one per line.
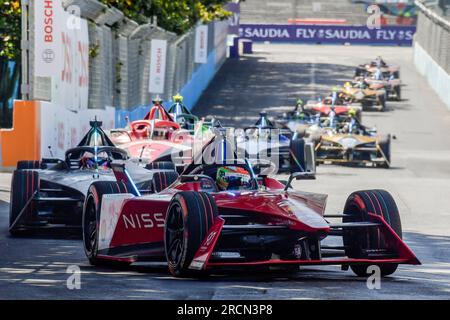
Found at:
<point>403,255</point>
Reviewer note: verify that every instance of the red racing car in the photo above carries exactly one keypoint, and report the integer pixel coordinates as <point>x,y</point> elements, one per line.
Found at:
<point>223,215</point>
<point>155,138</point>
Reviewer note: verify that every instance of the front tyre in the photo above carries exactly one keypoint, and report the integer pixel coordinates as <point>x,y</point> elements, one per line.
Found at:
<point>24,185</point>
<point>91,215</point>
<point>189,218</point>
<point>384,143</point>
<point>382,102</point>
<point>28,165</point>
<point>359,242</point>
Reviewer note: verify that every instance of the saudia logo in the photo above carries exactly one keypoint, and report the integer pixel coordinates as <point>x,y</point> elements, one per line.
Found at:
<point>143,220</point>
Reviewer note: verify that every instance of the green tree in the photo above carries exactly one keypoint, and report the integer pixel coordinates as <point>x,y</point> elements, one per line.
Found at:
<point>176,16</point>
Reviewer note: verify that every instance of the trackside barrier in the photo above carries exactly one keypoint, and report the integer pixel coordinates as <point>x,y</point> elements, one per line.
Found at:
<point>432,51</point>
<point>191,92</point>
<point>328,34</point>
<point>23,140</point>
<point>38,125</point>
<point>194,77</point>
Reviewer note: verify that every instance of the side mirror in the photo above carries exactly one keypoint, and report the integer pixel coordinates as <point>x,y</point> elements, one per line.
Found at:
<point>299,176</point>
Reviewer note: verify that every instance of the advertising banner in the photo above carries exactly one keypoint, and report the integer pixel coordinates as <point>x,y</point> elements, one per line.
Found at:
<point>62,129</point>
<point>158,66</point>
<point>326,34</point>
<point>235,8</point>
<point>61,49</point>
<point>48,24</point>
<point>201,44</point>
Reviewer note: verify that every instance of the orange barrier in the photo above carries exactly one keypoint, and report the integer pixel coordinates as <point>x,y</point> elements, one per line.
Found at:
<point>23,141</point>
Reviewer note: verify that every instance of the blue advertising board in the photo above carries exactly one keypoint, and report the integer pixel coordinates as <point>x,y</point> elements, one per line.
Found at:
<point>328,34</point>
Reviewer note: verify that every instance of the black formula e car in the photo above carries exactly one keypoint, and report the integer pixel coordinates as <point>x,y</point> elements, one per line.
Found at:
<point>51,192</point>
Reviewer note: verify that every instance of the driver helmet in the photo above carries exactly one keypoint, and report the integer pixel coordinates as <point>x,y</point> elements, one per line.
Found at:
<point>335,89</point>
<point>157,101</point>
<point>347,84</point>
<point>352,112</point>
<point>88,161</point>
<point>232,178</point>
<point>177,98</point>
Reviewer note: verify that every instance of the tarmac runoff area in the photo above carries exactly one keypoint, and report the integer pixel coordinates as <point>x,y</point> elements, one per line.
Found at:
<point>272,79</point>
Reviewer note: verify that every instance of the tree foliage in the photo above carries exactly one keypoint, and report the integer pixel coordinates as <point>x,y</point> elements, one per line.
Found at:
<point>177,16</point>
<point>10,24</point>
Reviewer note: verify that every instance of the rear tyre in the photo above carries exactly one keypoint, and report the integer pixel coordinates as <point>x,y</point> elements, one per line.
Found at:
<point>91,216</point>
<point>384,142</point>
<point>358,241</point>
<point>161,165</point>
<point>297,155</point>
<point>398,93</point>
<point>360,71</point>
<point>189,218</point>
<point>24,184</point>
<point>28,165</point>
<point>382,102</point>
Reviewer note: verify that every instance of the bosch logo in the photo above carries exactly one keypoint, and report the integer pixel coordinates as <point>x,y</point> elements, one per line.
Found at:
<point>48,56</point>
<point>48,21</point>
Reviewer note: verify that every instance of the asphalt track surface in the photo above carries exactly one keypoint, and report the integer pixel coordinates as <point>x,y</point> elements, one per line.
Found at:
<point>271,79</point>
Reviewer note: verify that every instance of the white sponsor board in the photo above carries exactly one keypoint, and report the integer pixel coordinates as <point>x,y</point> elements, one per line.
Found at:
<point>61,47</point>
<point>62,129</point>
<point>201,44</point>
<point>158,66</point>
<point>48,15</point>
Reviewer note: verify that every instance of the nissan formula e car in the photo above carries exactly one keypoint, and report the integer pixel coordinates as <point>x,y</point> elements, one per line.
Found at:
<point>161,136</point>
<point>51,192</point>
<point>221,215</point>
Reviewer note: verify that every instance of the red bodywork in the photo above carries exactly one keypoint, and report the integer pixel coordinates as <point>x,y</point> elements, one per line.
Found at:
<point>324,109</point>
<point>141,141</point>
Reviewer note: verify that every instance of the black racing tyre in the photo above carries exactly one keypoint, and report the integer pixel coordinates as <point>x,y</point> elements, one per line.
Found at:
<point>396,74</point>
<point>398,93</point>
<point>24,184</point>
<point>189,218</point>
<point>358,240</point>
<point>160,165</point>
<point>366,104</point>
<point>359,115</point>
<point>382,102</point>
<point>360,71</point>
<point>162,179</point>
<point>28,165</point>
<point>91,215</point>
<point>297,155</point>
<point>384,143</point>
